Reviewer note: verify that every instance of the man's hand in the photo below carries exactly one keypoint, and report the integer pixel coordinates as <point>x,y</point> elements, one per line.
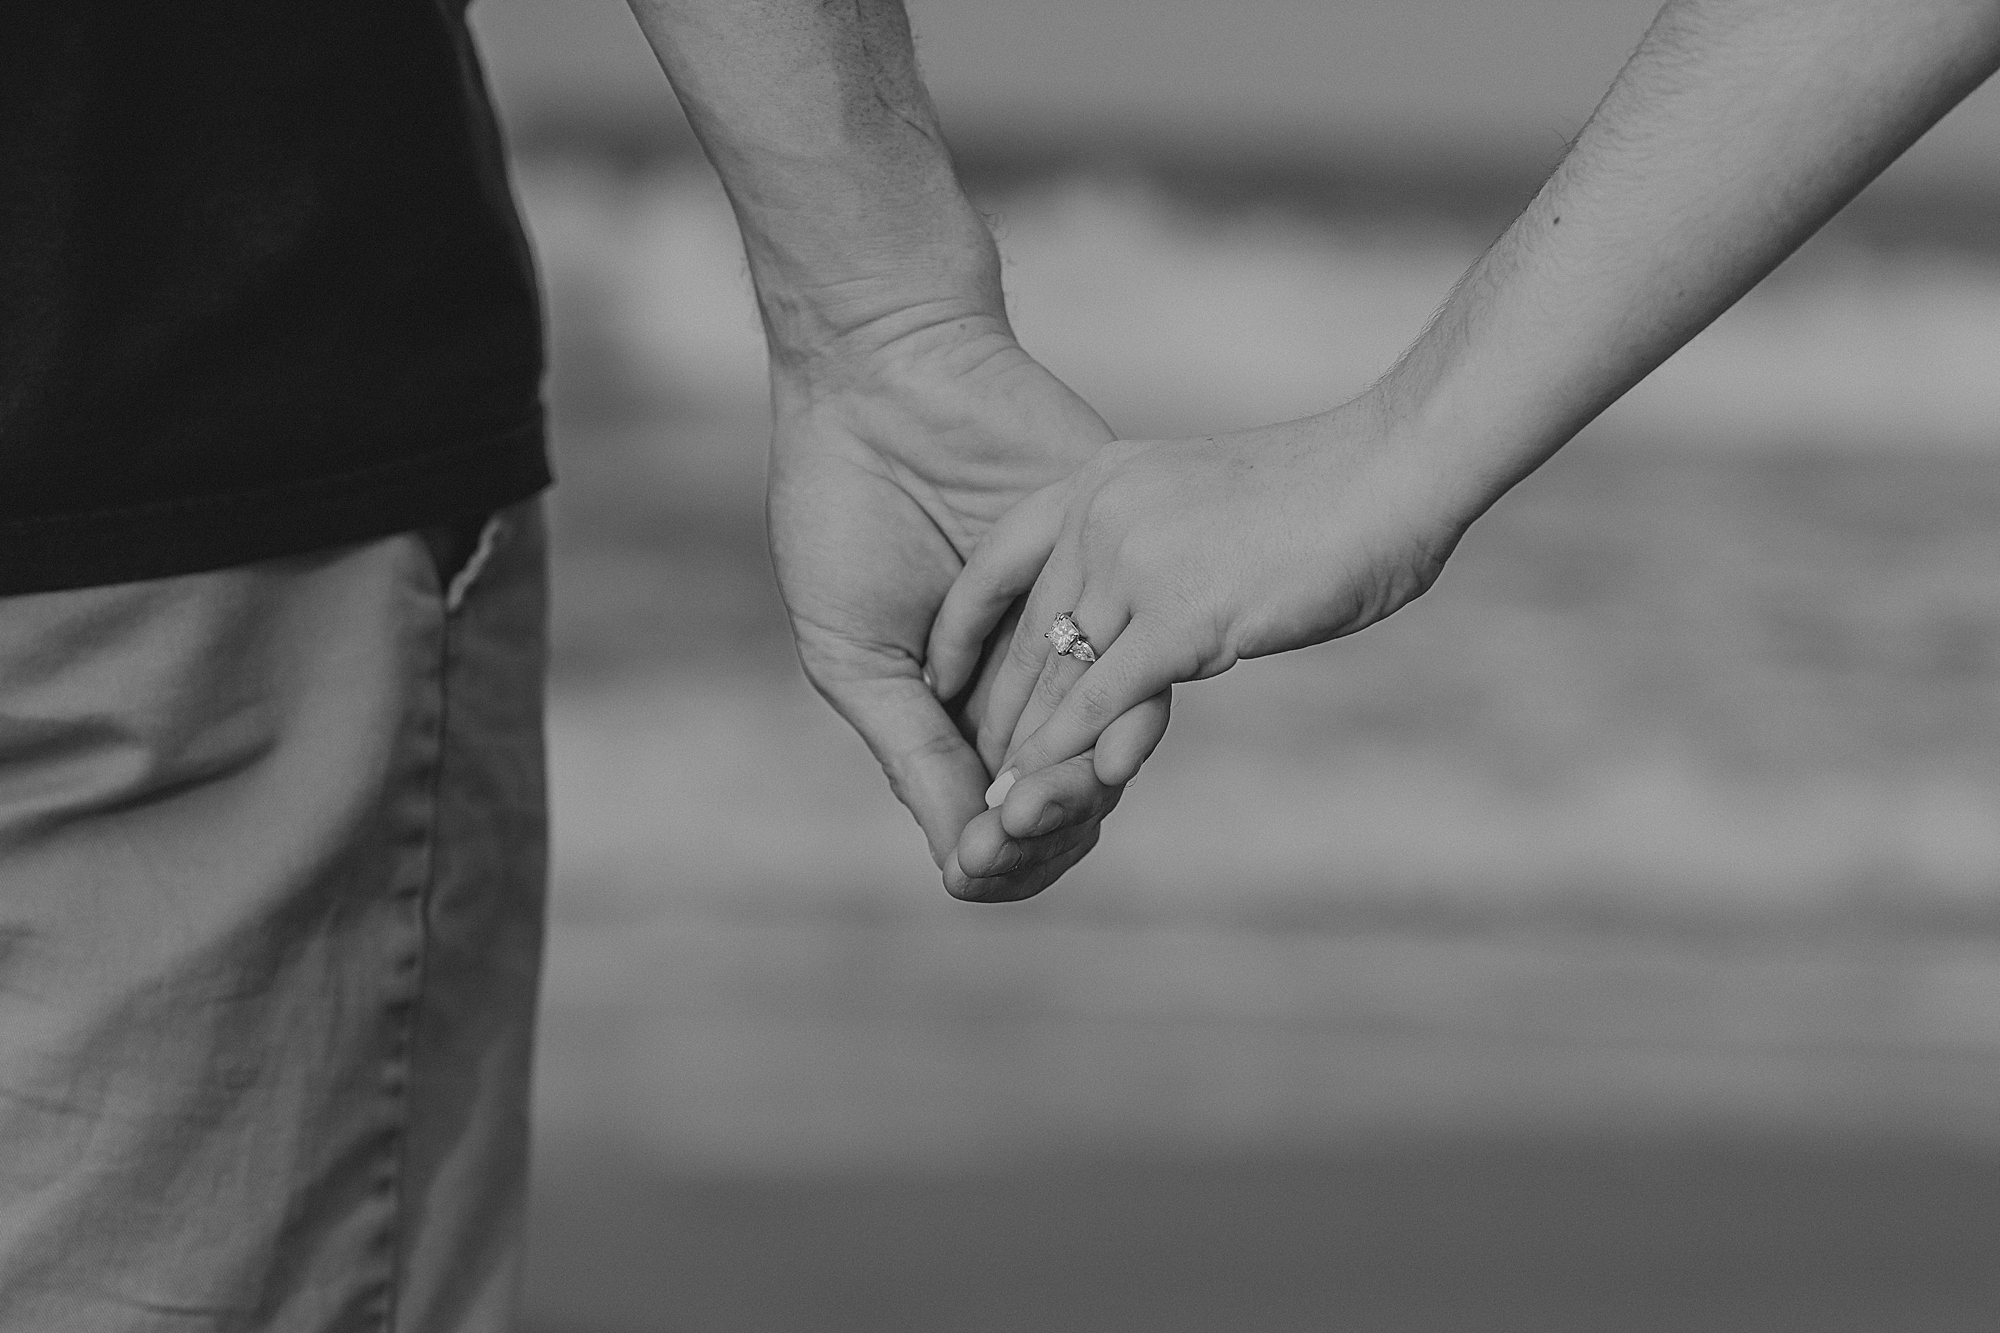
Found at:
<point>907,418</point>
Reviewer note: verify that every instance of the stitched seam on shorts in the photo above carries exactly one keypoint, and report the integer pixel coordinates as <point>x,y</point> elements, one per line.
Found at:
<point>413,1017</point>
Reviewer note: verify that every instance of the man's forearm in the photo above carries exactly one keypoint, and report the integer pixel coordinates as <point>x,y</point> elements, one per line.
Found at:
<point>1735,131</point>
<point>816,119</point>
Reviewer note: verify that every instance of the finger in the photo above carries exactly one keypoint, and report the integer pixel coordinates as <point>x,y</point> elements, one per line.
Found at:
<point>932,769</point>
<point>1002,567</point>
<point>1132,670</point>
<point>1101,624</point>
<point>1058,797</point>
<point>969,707</point>
<point>1131,739</point>
<point>1016,859</point>
<point>996,845</point>
<point>1014,889</point>
<point>1066,794</point>
<point>1026,652</point>
<point>1058,674</point>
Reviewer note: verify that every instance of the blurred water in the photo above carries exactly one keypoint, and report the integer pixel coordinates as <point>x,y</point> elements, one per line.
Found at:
<point>1610,940</point>
<point>1177,319</point>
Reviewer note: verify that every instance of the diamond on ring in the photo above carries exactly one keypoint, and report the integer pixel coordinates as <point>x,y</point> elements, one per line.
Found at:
<point>1069,640</point>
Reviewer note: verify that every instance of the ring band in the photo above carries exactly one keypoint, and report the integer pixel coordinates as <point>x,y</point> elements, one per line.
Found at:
<point>1069,640</point>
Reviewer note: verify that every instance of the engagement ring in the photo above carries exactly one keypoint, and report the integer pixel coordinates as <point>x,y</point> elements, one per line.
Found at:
<point>1069,640</point>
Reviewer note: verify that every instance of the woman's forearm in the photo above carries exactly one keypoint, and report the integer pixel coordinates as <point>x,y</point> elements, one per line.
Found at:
<point>1737,128</point>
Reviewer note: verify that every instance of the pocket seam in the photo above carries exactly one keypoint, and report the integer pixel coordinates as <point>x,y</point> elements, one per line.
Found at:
<point>468,574</point>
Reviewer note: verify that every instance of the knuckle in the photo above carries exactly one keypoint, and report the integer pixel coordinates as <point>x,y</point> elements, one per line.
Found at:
<point>1106,515</point>
<point>899,767</point>
<point>1106,464</point>
<point>1148,546</point>
<point>1050,688</point>
<point>980,582</point>
<point>1093,707</point>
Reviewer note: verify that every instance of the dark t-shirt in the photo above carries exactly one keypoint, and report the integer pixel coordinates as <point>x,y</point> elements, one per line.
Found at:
<point>262,285</point>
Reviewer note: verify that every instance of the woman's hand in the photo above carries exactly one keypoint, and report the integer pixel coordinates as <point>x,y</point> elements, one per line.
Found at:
<point>1177,560</point>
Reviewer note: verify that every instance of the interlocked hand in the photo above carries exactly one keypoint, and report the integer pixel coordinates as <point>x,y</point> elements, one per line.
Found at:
<point>1176,560</point>
<point>882,481</point>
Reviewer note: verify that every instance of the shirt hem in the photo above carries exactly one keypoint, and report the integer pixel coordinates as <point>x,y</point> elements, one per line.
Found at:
<point>55,552</point>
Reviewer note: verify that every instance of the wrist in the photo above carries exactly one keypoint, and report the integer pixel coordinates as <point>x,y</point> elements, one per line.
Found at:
<point>907,341</point>
<point>846,265</point>
<point>1473,426</point>
<point>1423,454</point>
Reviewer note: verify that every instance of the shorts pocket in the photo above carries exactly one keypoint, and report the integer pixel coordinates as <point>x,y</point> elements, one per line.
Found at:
<point>459,550</point>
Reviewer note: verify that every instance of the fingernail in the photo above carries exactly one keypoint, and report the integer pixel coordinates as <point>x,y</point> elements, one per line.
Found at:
<point>1009,860</point>
<point>930,681</point>
<point>1001,786</point>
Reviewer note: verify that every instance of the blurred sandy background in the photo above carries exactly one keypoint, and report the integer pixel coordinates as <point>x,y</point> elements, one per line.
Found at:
<point>1610,941</point>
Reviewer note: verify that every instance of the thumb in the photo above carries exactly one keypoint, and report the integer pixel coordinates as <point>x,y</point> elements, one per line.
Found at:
<point>931,768</point>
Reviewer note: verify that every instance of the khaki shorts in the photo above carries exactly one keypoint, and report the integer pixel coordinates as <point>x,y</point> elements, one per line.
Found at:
<point>272,863</point>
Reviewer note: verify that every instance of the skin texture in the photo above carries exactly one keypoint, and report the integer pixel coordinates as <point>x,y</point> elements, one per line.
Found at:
<point>1735,131</point>
<point>907,418</point>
